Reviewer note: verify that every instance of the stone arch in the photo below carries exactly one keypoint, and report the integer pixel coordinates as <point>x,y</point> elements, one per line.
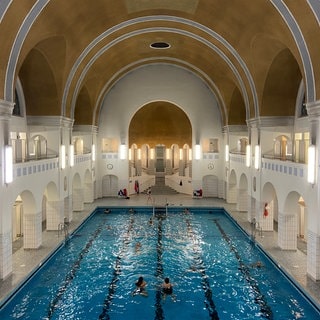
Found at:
<point>268,219</point>
<point>32,229</point>
<point>282,147</point>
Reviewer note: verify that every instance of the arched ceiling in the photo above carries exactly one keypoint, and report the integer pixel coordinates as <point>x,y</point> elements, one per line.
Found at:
<point>69,54</point>
<point>160,122</point>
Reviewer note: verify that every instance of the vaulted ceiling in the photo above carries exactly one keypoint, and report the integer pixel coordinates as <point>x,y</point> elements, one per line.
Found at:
<point>254,55</point>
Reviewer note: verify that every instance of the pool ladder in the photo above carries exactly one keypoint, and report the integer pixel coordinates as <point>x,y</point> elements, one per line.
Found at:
<point>255,226</point>
<point>63,228</point>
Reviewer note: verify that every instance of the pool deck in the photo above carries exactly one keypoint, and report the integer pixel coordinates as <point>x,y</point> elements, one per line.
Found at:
<point>25,261</point>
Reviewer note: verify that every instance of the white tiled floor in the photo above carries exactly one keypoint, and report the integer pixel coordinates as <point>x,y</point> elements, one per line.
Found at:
<point>294,262</point>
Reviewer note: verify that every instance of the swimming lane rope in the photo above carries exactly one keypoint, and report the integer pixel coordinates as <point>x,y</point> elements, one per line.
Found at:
<point>71,274</point>
<point>116,272</point>
<point>159,270</point>
<point>210,305</point>
<point>259,298</point>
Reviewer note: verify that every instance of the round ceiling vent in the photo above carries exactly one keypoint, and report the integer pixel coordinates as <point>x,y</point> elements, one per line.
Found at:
<point>160,45</point>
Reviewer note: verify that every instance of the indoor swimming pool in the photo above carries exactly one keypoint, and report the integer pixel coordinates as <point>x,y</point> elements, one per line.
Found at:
<point>216,270</point>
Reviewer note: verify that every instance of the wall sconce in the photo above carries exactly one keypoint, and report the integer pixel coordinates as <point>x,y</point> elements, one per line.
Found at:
<point>257,157</point>
<point>168,153</point>
<point>311,163</point>
<point>63,156</point>
<point>71,155</point>
<point>197,155</point>
<point>180,154</point>
<point>123,152</point>
<point>8,164</point>
<point>139,154</point>
<point>190,154</point>
<point>93,152</point>
<point>151,153</point>
<point>130,154</point>
<point>227,156</point>
<point>248,155</point>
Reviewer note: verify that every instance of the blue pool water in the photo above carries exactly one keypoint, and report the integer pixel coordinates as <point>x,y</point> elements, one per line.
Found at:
<point>205,254</point>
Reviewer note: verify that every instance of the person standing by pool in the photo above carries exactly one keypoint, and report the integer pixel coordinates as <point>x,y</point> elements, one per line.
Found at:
<point>140,287</point>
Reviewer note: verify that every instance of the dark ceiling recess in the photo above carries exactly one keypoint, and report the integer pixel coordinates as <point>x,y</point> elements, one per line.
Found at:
<point>160,45</point>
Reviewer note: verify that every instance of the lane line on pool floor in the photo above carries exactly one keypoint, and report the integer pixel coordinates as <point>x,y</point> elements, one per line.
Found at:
<point>159,270</point>
<point>116,272</point>
<point>71,274</point>
<point>259,297</point>
<point>210,305</point>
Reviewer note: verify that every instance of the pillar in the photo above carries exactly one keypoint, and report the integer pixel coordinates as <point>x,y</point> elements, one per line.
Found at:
<point>313,237</point>
<point>68,208</point>
<point>287,227</point>
<point>55,214</point>
<point>32,230</point>
<point>313,258</point>
<point>5,212</point>
<point>77,199</point>
<point>88,192</point>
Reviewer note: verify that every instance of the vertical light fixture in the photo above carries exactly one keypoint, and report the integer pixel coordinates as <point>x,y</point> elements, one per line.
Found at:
<point>311,163</point>
<point>8,164</point>
<point>71,155</point>
<point>63,156</point>
<point>123,151</point>
<point>190,154</point>
<point>257,157</point>
<point>248,155</point>
<point>139,154</point>
<point>227,157</point>
<point>180,154</point>
<point>152,153</point>
<point>93,152</point>
<point>130,154</point>
<point>197,155</point>
<point>168,153</point>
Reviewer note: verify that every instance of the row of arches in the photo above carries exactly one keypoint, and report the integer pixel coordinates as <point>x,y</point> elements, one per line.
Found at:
<point>29,218</point>
<point>289,219</point>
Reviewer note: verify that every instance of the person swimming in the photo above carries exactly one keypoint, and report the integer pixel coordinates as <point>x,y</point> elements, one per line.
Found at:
<point>140,287</point>
<point>167,289</point>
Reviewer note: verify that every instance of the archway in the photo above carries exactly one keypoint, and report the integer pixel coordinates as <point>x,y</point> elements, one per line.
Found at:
<point>268,213</point>
<point>26,222</point>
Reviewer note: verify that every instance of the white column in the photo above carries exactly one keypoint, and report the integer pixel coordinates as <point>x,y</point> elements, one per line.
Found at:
<point>313,258</point>
<point>32,230</point>
<point>77,199</point>
<point>88,192</point>
<point>287,231</point>
<point>5,212</point>
<point>55,214</point>
<point>5,254</point>
<point>68,208</point>
<point>313,238</point>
